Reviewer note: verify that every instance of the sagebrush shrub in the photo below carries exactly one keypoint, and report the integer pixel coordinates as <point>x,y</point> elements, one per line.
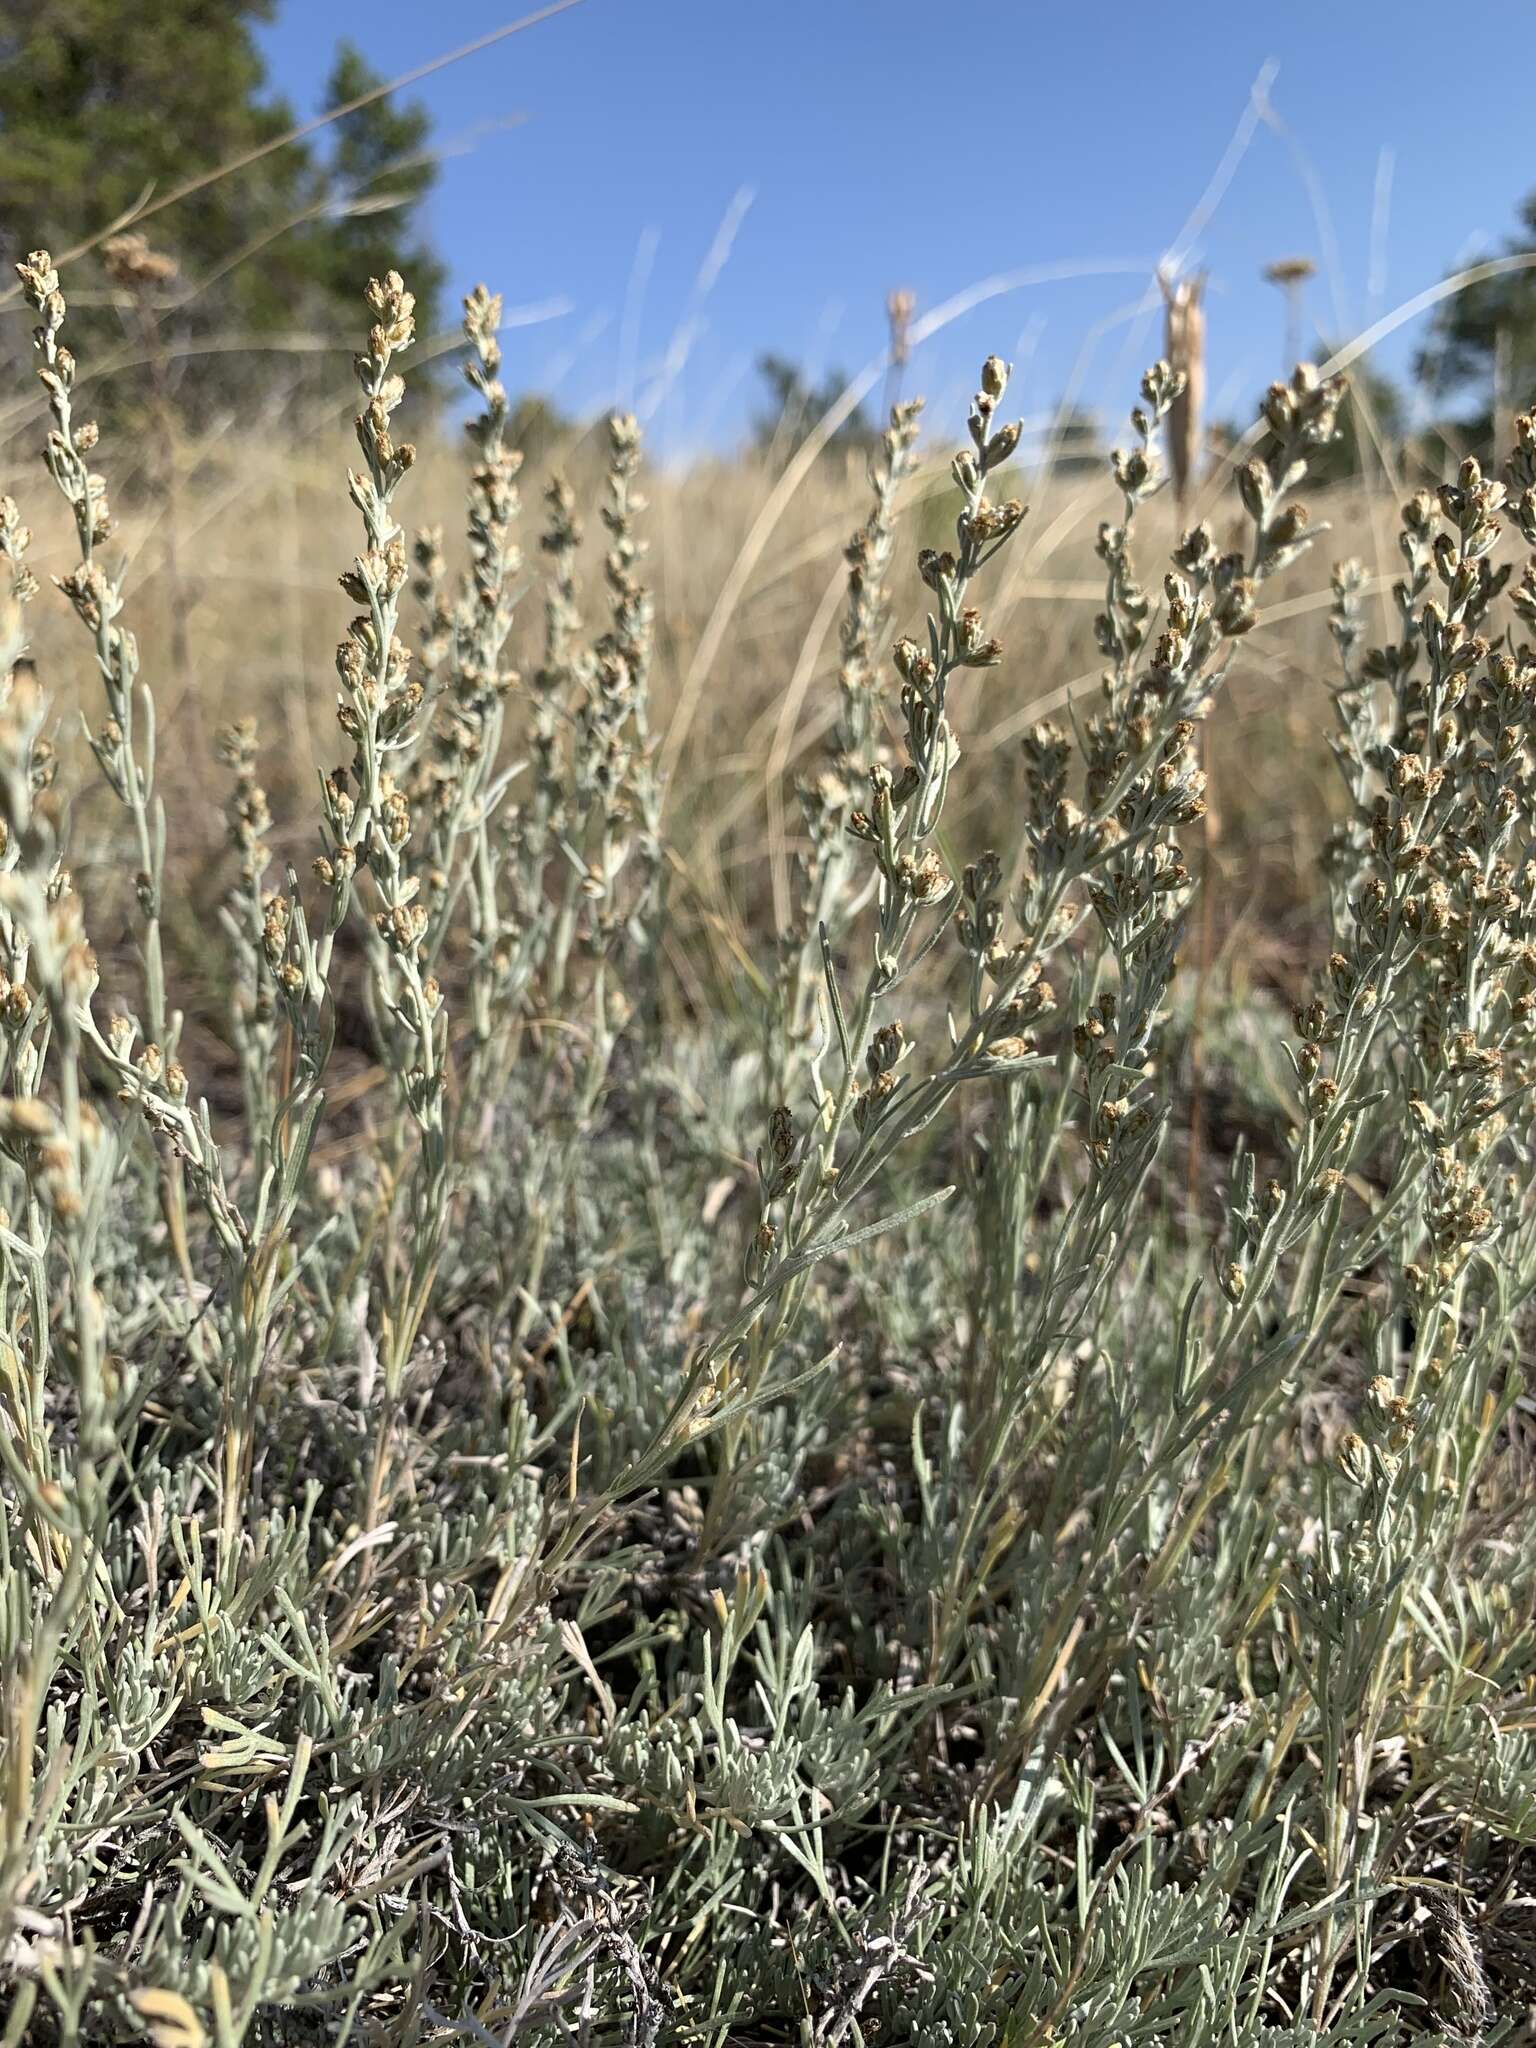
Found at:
<point>474,1571</point>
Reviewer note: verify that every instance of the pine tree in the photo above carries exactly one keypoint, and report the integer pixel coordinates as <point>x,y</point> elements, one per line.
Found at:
<point>380,175</point>
<point>796,406</point>
<point>104,103</point>
<point>1485,337</point>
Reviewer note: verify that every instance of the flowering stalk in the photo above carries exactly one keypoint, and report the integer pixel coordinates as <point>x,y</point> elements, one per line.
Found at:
<point>1141,782</point>
<point>54,1140</point>
<point>613,791</point>
<point>255,1020</point>
<point>365,823</point>
<point>125,745</point>
<point>854,750</point>
<point>466,790</point>
<point>513,911</point>
<point>809,1177</point>
<point>467,783</point>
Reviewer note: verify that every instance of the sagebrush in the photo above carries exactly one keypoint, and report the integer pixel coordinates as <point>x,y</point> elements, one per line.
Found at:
<point>493,1564</point>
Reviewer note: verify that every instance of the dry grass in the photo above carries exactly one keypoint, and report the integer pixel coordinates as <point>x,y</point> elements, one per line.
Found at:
<point>235,561</point>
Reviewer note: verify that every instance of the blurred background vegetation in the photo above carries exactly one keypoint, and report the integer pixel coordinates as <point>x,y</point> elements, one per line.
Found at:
<point>109,111</point>
<point>117,115</point>
<point>216,346</point>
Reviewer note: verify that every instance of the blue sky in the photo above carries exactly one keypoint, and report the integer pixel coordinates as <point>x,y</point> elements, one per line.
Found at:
<point>597,163</point>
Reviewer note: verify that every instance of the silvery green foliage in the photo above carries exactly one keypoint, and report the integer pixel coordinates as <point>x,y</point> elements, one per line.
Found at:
<point>513,1579</point>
